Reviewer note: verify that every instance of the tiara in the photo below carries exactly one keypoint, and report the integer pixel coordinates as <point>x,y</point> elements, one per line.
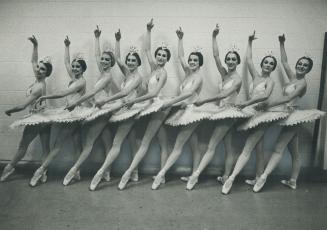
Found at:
<point>308,55</point>
<point>197,49</point>
<point>269,53</point>
<point>106,47</point>
<point>46,59</point>
<point>133,49</point>
<point>164,46</point>
<point>234,48</point>
<point>78,56</point>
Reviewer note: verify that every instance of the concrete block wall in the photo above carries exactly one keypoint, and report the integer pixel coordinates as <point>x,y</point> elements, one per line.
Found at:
<point>303,22</point>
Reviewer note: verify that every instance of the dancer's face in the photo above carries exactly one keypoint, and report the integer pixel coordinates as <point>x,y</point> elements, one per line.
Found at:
<point>194,62</point>
<point>161,57</point>
<point>231,61</point>
<point>302,66</point>
<point>41,70</point>
<point>131,62</point>
<point>268,65</point>
<point>105,61</point>
<point>77,68</point>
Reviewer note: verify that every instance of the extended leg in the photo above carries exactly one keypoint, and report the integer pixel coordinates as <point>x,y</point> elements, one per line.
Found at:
<point>259,163</point>
<point>106,137</point>
<point>123,130</point>
<point>181,139</point>
<point>45,142</point>
<point>230,156</point>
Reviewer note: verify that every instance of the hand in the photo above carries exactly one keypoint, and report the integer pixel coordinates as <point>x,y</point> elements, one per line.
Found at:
<point>240,105</point>
<point>150,25</point>
<point>180,33</point>
<point>99,104</point>
<point>8,112</point>
<point>118,35</point>
<point>67,41</point>
<point>70,107</point>
<point>281,38</point>
<point>261,106</point>
<point>97,32</point>
<point>33,40</point>
<point>199,103</point>
<point>252,37</point>
<point>40,100</point>
<point>183,105</point>
<point>215,32</point>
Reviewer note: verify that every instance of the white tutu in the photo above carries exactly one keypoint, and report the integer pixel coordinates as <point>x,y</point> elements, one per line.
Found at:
<point>31,119</point>
<point>229,111</point>
<point>61,115</point>
<point>302,116</point>
<point>261,117</point>
<point>126,113</point>
<point>154,107</point>
<point>106,109</point>
<point>188,115</point>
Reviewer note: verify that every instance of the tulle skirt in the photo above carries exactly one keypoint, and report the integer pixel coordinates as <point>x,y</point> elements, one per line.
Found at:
<point>126,113</point>
<point>105,110</point>
<point>301,116</point>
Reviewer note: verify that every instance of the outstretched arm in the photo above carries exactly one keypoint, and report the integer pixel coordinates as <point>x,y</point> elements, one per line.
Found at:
<point>123,93</point>
<point>67,58</point>
<point>225,93</point>
<point>149,27</point>
<point>34,53</point>
<point>177,100</point>
<point>121,65</point>
<point>36,93</point>
<point>215,52</point>
<point>153,93</point>
<point>283,57</point>
<point>97,33</point>
<point>249,60</point>
<point>261,97</point>
<point>181,55</point>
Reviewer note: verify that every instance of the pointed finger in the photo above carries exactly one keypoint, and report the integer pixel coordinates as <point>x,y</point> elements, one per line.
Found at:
<point>97,27</point>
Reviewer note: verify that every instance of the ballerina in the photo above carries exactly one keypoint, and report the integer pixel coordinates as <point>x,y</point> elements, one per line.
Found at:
<point>33,125</point>
<point>66,121</point>
<point>225,116</point>
<point>288,137</point>
<point>96,125</point>
<point>131,88</point>
<point>184,117</point>
<point>257,124</point>
<point>157,97</point>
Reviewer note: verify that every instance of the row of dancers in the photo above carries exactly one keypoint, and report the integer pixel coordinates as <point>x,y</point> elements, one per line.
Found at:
<point>89,116</point>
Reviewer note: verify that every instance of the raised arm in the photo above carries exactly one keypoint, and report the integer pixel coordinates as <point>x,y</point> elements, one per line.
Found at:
<point>283,58</point>
<point>121,64</point>
<point>215,52</point>
<point>67,58</point>
<point>97,33</point>
<point>34,53</point>
<point>181,55</point>
<point>249,60</point>
<point>149,27</point>
<point>36,93</point>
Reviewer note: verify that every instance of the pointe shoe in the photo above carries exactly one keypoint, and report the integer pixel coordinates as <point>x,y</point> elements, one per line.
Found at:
<point>44,177</point>
<point>251,182</point>
<point>227,186</point>
<point>185,178</point>
<point>37,176</point>
<point>124,180</point>
<point>135,176</point>
<point>72,173</point>
<point>259,184</point>
<point>157,182</point>
<point>96,180</point>
<point>222,179</point>
<point>163,180</point>
<point>289,183</point>
<point>7,171</point>
<point>192,181</point>
<point>106,176</point>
